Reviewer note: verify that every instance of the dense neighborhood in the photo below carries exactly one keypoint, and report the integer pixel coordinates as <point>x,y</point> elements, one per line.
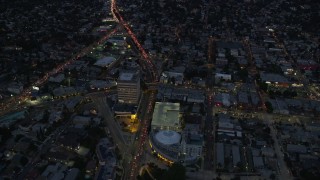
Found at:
<point>176,89</point>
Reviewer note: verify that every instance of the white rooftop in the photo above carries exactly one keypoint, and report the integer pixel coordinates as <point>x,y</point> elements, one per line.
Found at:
<point>166,114</point>
<point>168,137</point>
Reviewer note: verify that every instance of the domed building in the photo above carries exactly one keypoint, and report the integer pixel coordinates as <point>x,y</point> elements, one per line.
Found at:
<point>166,143</point>
<point>168,140</point>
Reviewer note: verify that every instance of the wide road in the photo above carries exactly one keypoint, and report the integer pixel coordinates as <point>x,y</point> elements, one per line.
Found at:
<point>139,146</point>
<point>145,98</point>
<point>130,153</point>
<point>153,71</point>
<point>100,101</point>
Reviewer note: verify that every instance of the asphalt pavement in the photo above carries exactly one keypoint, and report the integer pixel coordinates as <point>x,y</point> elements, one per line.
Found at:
<point>284,170</point>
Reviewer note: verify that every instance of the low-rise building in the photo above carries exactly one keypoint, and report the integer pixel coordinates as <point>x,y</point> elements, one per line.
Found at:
<point>220,155</point>
<point>220,76</point>
<point>258,162</point>
<point>105,61</point>
<point>236,159</point>
<point>15,88</point>
<point>293,148</point>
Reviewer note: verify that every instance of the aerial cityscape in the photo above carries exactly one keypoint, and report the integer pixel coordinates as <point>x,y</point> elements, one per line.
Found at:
<point>160,90</point>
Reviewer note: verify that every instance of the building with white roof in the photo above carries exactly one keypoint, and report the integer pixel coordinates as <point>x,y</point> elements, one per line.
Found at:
<point>220,76</point>
<point>166,115</point>
<point>167,75</point>
<point>167,138</point>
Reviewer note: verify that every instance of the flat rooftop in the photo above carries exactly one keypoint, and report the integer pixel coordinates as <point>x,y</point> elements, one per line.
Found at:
<point>166,114</point>
<point>106,61</point>
<point>126,76</point>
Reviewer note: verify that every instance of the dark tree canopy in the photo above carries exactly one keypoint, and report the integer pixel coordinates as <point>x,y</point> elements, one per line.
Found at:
<point>176,172</point>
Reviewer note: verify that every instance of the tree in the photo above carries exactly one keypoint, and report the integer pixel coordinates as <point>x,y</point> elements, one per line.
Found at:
<point>269,107</point>
<point>243,74</point>
<point>173,80</point>
<point>176,172</point>
<point>156,172</point>
<point>5,133</point>
<point>117,152</point>
<point>287,93</point>
<point>23,160</point>
<point>32,147</point>
<point>225,69</point>
<point>18,137</point>
<point>263,86</point>
<point>143,85</point>
<point>307,174</point>
<point>236,178</point>
<point>239,165</point>
<point>267,130</point>
<point>271,94</point>
<point>79,163</point>
<point>16,169</point>
<point>272,176</point>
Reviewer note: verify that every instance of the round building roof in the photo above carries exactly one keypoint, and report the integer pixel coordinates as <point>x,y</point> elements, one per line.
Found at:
<point>168,137</point>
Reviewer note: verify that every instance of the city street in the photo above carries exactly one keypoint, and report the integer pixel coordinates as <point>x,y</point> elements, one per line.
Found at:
<point>107,115</point>
<point>152,71</point>
<point>142,136</point>
<point>42,149</point>
<point>209,136</point>
<point>18,100</point>
<point>99,99</point>
<point>284,171</point>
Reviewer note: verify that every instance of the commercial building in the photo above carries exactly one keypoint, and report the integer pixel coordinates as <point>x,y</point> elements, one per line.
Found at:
<point>169,141</point>
<point>105,62</point>
<point>191,147</point>
<point>220,76</point>
<point>167,144</point>
<point>128,87</point>
<point>172,146</point>
<point>166,116</point>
